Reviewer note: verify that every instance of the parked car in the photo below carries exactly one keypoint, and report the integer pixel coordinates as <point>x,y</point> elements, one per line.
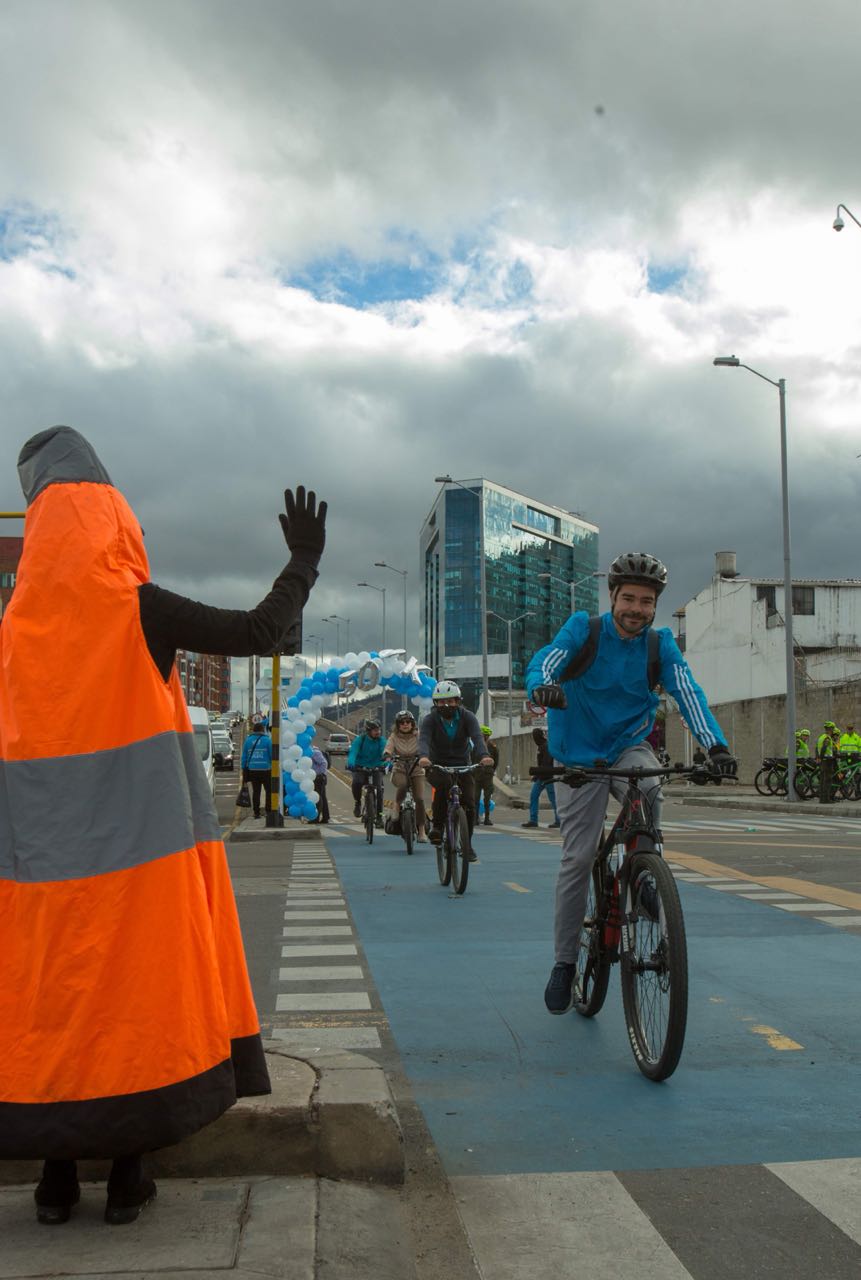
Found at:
<point>338,744</point>
<point>223,750</point>
<point>203,742</point>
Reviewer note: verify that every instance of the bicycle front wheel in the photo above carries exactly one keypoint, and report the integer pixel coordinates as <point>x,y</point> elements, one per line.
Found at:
<point>760,782</point>
<point>408,827</point>
<point>443,858</point>
<point>370,815</point>
<point>460,852</point>
<point>655,968</point>
<point>593,963</point>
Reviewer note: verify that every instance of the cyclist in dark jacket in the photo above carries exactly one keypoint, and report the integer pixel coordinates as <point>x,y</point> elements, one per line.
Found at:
<point>449,735</point>
<point>544,761</point>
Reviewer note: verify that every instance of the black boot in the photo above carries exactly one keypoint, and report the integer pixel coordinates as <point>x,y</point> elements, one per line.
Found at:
<point>129,1191</point>
<point>57,1192</point>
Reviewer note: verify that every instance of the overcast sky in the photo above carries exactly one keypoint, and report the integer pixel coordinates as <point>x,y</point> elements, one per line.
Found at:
<point>357,243</point>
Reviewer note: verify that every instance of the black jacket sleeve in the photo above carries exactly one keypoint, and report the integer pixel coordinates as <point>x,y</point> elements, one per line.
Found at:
<point>172,622</point>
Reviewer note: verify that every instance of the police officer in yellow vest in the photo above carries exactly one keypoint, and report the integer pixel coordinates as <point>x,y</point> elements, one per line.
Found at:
<point>850,741</point>
<point>826,742</point>
<point>802,747</point>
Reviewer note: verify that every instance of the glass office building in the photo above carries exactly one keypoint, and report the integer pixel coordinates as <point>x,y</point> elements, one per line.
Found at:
<point>523,538</point>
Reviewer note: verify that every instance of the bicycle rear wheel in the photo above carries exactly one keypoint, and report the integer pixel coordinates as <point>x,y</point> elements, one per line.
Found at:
<point>408,827</point>
<point>655,968</point>
<point>777,782</point>
<point>370,814</point>
<point>593,963</point>
<point>460,852</point>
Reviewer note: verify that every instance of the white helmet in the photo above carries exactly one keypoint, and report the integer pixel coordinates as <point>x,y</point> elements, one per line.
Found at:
<point>446,689</point>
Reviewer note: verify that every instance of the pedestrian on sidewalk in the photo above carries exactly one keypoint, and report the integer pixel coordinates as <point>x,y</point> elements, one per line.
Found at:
<point>126,1015</point>
<point>485,774</point>
<point>257,765</point>
<point>544,761</point>
<point>321,783</point>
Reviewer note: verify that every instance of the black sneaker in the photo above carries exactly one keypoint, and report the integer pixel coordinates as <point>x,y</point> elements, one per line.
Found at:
<point>559,992</point>
<point>125,1205</point>
<point>529,824</point>
<point>551,825</point>
<point>472,856</point>
<point>357,811</point>
<point>435,836</point>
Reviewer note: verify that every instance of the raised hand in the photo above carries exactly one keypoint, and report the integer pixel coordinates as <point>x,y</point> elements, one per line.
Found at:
<point>304,525</point>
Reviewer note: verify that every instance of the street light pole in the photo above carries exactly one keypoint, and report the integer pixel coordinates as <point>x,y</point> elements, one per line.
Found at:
<point>382,591</point>
<point>732,362</point>
<point>509,622</point>
<point>838,224</point>
<point>482,586</point>
<point>381,564</point>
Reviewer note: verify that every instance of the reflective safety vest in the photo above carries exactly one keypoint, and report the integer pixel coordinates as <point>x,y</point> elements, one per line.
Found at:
<point>802,750</point>
<point>825,745</point>
<point>126,1015</point>
<point>850,742</point>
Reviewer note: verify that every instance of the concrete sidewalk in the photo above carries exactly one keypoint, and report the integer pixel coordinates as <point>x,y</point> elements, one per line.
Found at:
<point>251,1193</point>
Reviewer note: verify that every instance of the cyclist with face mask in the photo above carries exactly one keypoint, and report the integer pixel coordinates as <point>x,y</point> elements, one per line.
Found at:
<point>604,711</point>
<point>451,735</point>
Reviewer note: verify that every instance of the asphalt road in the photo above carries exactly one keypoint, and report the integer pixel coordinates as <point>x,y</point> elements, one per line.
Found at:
<point>557,1151</point>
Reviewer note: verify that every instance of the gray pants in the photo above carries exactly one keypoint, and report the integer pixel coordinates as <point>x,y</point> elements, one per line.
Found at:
<point>581,814</point>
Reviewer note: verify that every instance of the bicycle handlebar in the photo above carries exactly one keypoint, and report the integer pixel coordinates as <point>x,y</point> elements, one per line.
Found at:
<point>455,768</point>
<point>585,773</point>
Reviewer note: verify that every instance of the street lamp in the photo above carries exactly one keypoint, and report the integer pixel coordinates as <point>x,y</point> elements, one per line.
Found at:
<point>733,362</point>
<point>337,618</point>
<point>572,586</point>
<point>381,564</point>
<point>509,622</point>
<point>482,585</point>
<point>318,652</point>
<point>382,591</point>
<point>838,224</point>
<point>337,625</point>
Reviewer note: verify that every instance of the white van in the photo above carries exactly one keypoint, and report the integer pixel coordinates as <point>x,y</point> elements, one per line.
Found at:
<point>203,741</point>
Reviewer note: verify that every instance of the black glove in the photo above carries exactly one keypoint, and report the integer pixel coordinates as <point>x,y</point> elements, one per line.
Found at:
<point>549,695</point>
<point>722,762</point>
<point>304,524</point>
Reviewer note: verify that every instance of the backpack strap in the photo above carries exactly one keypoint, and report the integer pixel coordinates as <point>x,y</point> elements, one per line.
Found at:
<point>583,659</point>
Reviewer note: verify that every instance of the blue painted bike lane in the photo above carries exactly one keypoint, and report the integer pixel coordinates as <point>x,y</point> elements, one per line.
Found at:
<point>507,1088</point>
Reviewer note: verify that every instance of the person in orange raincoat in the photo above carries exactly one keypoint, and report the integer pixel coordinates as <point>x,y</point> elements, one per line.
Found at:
<point>126,1015</point>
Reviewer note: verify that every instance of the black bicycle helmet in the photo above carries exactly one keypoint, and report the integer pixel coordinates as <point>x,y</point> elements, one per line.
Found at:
<point>637,566</point>
<point>405,715</point>
<point>371,724</point>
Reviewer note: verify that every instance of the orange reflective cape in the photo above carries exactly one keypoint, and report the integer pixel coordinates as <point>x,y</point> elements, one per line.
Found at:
<point>126,1015</point>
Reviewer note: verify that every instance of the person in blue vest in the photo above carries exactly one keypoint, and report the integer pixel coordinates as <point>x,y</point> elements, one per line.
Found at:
<point>597,679</point>
<point>366,755</point>
<point>257,764</point>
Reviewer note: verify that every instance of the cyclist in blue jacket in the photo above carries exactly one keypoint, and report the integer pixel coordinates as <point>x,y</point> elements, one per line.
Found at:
<point>366,754</point>
<point>605,713</point>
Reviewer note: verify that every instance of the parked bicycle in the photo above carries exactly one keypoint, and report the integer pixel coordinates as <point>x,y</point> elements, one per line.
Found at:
<point>634,917</point>
<point>452,853</point>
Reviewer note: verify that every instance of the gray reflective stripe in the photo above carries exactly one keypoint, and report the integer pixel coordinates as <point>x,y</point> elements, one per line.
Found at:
<point>77,816</point>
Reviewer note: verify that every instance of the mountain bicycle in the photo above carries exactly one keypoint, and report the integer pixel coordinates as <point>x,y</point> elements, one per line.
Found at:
<point>407,817</point>
<point>371,808</point>
<point>452,853</point>
<point>634,917</point>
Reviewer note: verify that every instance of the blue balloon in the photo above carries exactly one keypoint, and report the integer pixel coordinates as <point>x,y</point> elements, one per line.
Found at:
<point>295,811</point>
<point>305,739</point>
<point>310,812</point>
<point>293,702</point>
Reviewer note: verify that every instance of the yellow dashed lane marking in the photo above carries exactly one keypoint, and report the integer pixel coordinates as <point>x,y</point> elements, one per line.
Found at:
<point>518,888</point>
<point>805,888</point>
<point>775,1038</point>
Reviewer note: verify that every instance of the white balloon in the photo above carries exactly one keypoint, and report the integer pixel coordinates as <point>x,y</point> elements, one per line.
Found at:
<point>288,737</point>
<point>305,706</point>
<point>296,775</point>
<point>306,785</point>
<point>417,702</point>
<point>298,726</point>
<point>363,657</point>
<point>294,752</point>
<point>399,665</point>
<point>352,659</point>
<point>313,798</point>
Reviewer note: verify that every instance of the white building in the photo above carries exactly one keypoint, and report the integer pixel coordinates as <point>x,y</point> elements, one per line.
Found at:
<point>734,638</point>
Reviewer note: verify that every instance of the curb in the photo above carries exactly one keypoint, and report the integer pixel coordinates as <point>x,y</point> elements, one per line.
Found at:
<point>329,1114</point>
<point>248,831</point>
<point>764,805</point>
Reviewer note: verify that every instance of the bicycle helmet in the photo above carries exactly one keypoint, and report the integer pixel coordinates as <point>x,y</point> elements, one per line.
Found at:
<point>487,731</point>
<point>446,689</point>
<point>405,715</point>
<point>829,724</point>
<point>371,724</point>
<point>802,733</point>
<point>637,566</point>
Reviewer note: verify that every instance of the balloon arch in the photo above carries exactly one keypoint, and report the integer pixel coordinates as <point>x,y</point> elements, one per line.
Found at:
<point>354,673</point>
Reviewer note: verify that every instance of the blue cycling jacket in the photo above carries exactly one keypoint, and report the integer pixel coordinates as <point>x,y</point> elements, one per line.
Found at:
<point>611,707</point>
<point>257,752</point>
<point>366,752</point>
